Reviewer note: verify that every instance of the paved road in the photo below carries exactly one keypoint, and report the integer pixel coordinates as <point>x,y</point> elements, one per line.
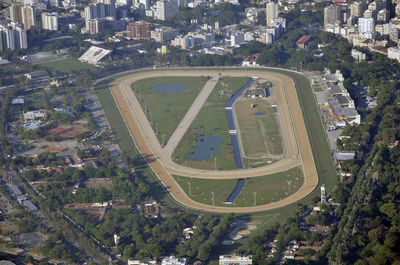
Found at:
<point>190,115</point>
<point>295,135</point>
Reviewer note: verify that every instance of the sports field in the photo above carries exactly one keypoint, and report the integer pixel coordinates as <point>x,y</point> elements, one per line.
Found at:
<point>67,66</point>
<point>259,129</point>
<point>211,120</point>
<point>268,188</point>
<point>166,111</point>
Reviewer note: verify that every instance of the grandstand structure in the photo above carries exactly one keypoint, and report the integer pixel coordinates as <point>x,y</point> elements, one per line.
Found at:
<point>94,54</point>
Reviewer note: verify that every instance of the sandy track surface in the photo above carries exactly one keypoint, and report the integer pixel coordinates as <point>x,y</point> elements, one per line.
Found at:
<point>295,135</point>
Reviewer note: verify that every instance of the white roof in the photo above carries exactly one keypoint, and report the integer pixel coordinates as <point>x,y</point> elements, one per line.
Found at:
<point>17,101</point>
<point>94,54</point>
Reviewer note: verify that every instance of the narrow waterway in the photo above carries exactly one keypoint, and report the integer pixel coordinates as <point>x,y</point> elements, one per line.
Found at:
<point>235,143</point>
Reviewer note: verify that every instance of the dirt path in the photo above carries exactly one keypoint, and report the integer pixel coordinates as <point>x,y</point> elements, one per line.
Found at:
<point>296,138</point>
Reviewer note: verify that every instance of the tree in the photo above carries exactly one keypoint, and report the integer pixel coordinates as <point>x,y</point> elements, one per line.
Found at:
<point>128,251</point>
<point>204,251</point>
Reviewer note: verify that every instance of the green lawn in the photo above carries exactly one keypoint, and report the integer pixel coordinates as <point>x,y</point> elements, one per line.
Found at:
<point>265,128</point>
<point>67,66</point>
<point>211,120</point>
<point>166,111</point>
<point>201,189</point>
<point>268,188</point>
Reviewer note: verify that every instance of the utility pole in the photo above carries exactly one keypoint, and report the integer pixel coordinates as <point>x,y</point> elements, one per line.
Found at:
<point>215,163</point>
<point>212,198</point>
<point>255,198</point>
<point>190,189</point>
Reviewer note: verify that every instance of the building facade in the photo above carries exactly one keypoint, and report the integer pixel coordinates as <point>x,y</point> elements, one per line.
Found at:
<point>331,15</point>
<point>138,31</point>
<point>50,21</point>
<point>235,259</point>
<point>166,9</point>
<point>100,10</point>
<point>164,34</point>
<point>13,37</point>
<point>366,25</point>
<point>97,25</point>
<point>24,15</point>
<point>271,12</point>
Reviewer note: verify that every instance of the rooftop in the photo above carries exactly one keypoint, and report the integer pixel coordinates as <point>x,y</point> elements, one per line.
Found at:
<point>303,39</point>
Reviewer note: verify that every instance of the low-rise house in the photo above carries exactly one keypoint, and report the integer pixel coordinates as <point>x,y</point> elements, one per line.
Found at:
<point>173,261</point>
<point>251,60</point>
<point>235,259</point>
<point>303,41</point>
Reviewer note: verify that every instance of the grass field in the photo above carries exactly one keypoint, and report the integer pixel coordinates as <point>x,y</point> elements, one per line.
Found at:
<point>260,134</point>
<point>211,120</point>
<point>166,111</point>
<point>67,66</point>
<point>268,188</point>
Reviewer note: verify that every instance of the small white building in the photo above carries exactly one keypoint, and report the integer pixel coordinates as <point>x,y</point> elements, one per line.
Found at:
<point>34,115</point>
<point>394,53</point>
<point>357,55</point>
<point>173,261</point>
<point>235,259</point>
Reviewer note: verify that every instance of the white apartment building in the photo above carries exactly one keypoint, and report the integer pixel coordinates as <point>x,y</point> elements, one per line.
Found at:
<point>366,25</point>
<point>271,12</point>
<point>13,37</point>
<point>166,9</point>
<point>394,53</point>
<point>50,21</point>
